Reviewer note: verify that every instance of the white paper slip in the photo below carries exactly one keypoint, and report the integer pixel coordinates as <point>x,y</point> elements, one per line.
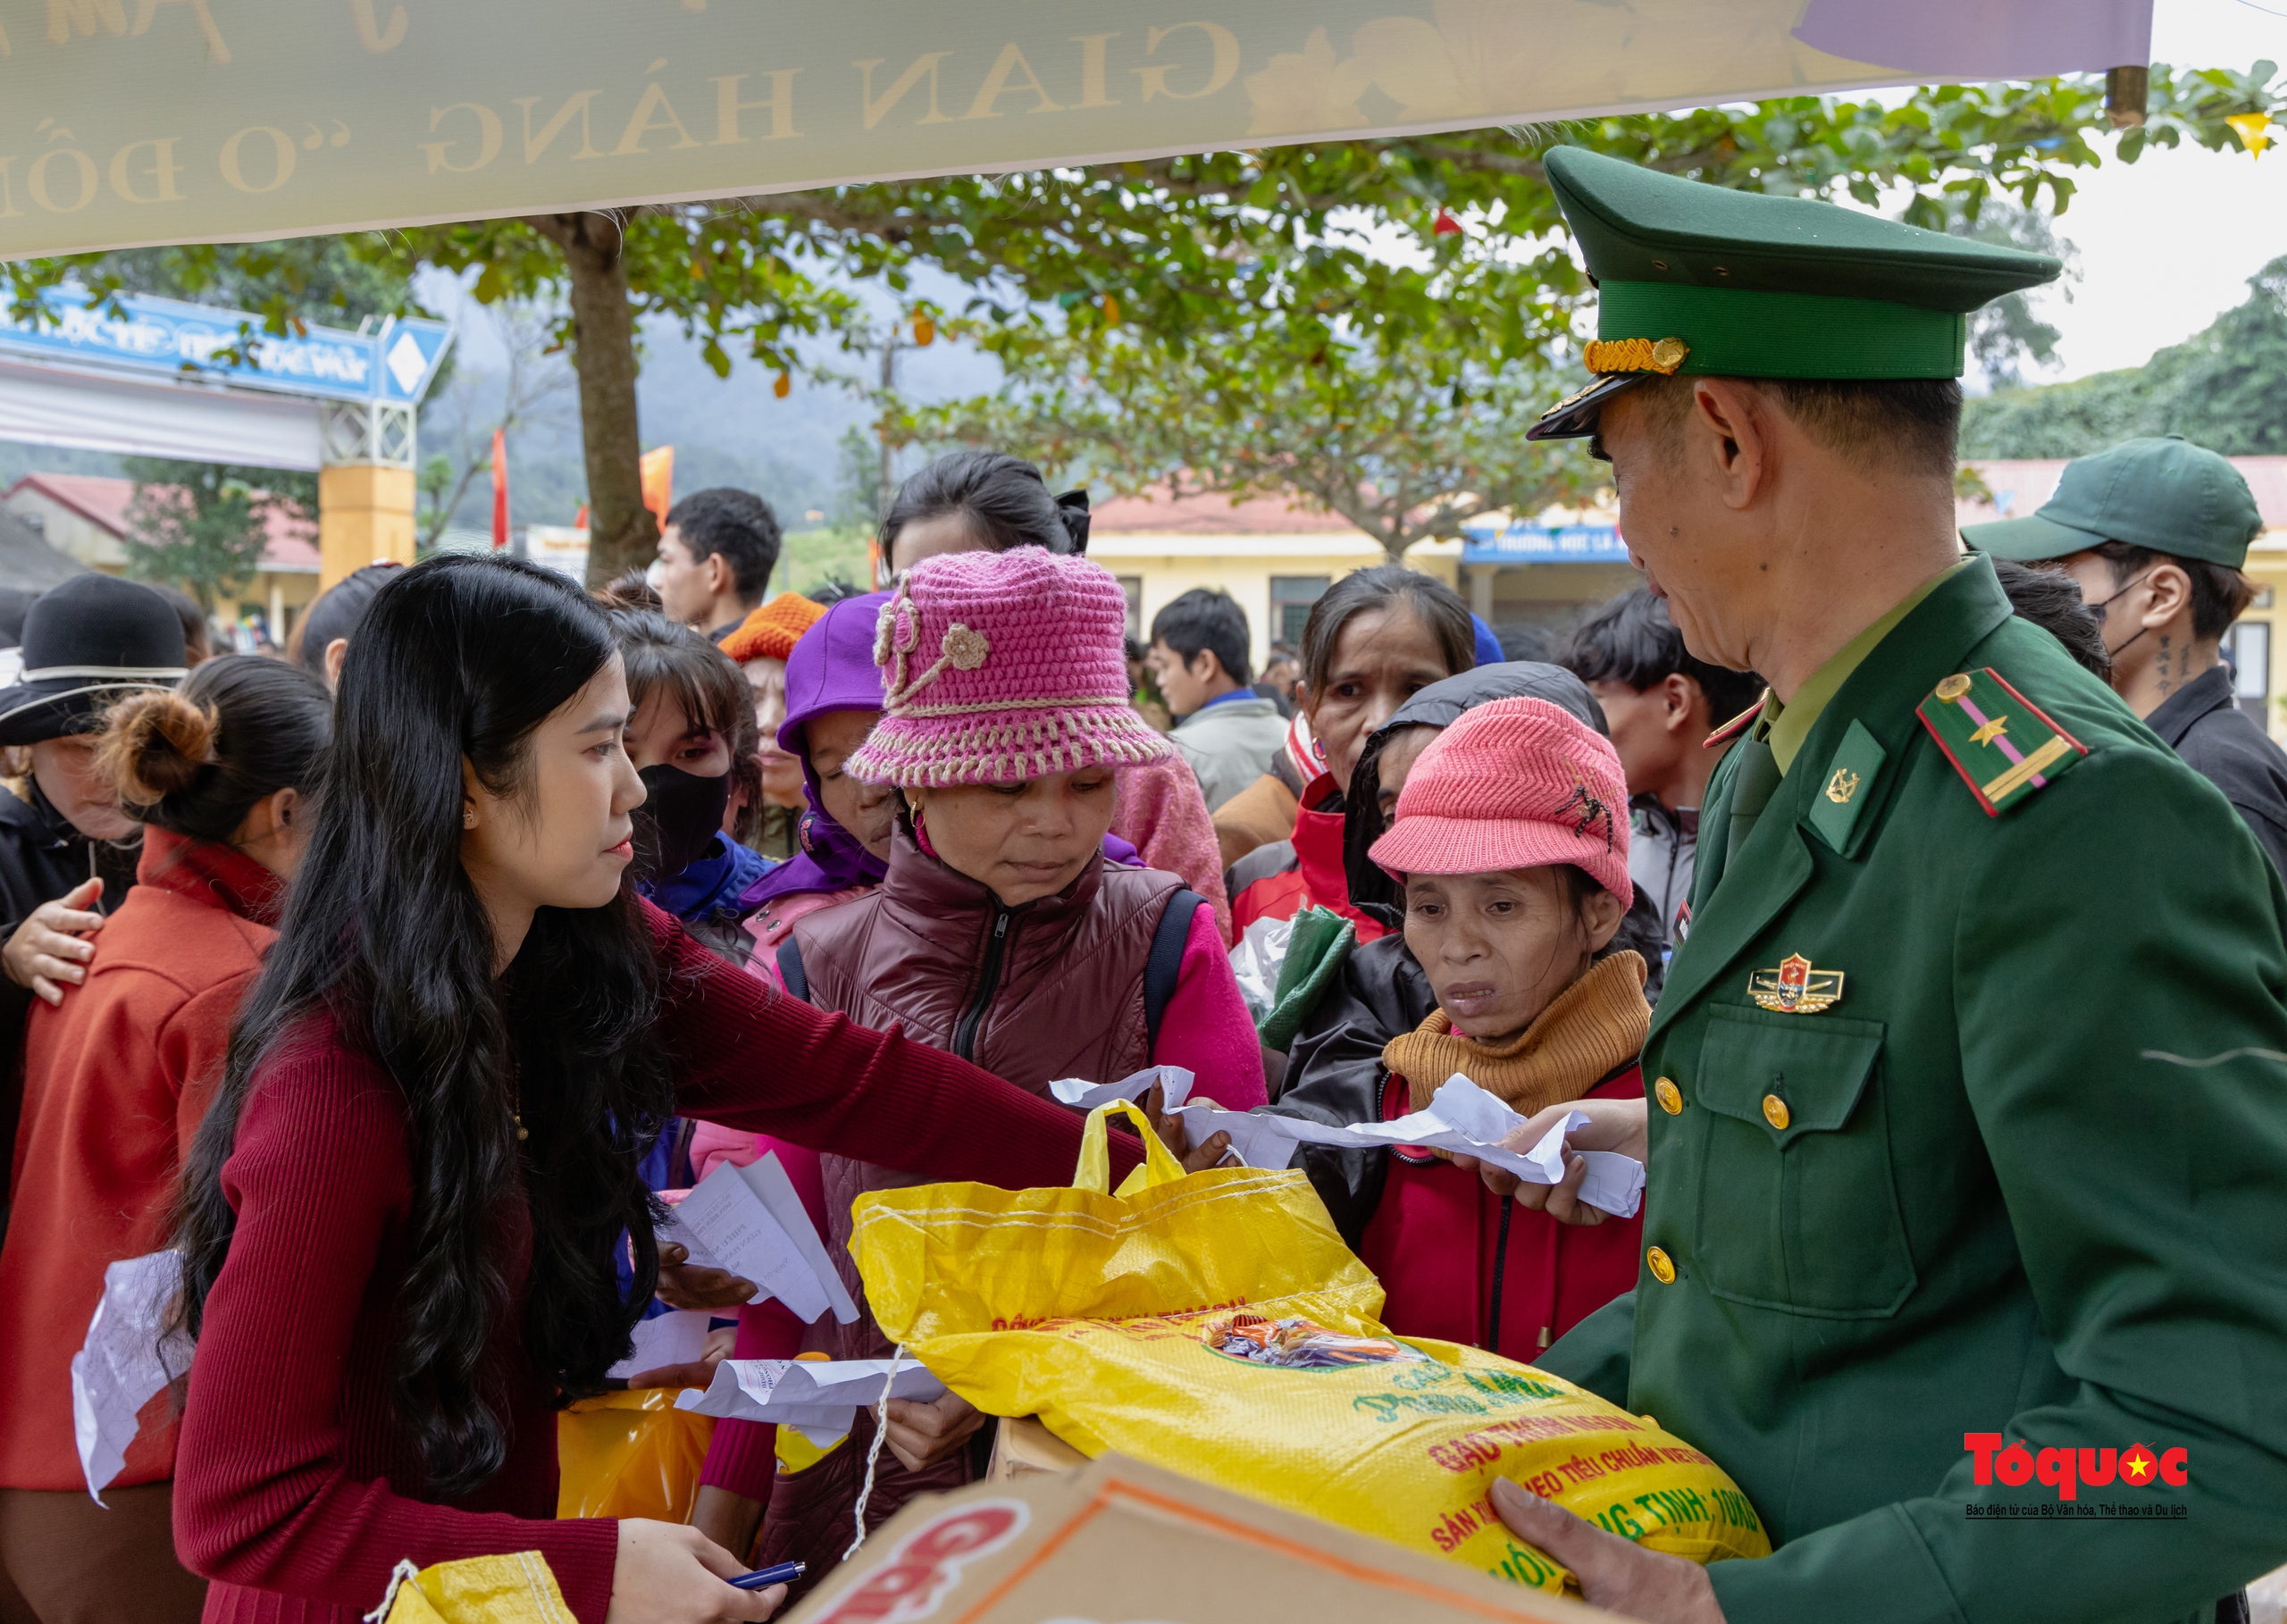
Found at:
<point>1258,1138</point>
<point>821,1397</point>
<point>1614,1182</point>
<point>1085,1095</point>
<point>767,1179</point>
<point>728,1223</point>
<point>128,1360</point>
<point>676,1337</point>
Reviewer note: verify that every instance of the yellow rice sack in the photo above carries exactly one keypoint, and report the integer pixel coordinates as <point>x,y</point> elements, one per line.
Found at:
<point>1216,1326</point>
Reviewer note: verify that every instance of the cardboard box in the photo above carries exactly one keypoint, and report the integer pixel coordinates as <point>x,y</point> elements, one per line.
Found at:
<point>1022,1445</point>
<point>1120,1541</point>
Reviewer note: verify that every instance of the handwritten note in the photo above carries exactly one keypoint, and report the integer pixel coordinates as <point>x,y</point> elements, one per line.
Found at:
<point>751,1221</point>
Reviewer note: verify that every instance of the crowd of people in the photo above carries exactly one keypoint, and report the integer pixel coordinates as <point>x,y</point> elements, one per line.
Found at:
<point>398,983</point>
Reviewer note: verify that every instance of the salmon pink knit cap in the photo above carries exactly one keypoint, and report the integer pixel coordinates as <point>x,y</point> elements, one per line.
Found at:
<point>998,668</point>
<point>1517,783</point>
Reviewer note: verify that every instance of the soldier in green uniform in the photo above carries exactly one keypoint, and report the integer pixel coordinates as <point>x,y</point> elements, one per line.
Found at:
<point>1966,1216</point>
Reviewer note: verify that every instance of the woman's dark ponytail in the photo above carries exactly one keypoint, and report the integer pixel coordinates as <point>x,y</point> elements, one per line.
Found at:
<point>195,760</point>
<point>1072,507</point>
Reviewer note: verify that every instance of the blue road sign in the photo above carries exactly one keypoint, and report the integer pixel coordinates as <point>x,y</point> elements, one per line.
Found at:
<point>152,335</point>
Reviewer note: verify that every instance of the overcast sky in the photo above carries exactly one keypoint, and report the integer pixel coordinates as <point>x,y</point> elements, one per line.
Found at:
<point>2168,242</point>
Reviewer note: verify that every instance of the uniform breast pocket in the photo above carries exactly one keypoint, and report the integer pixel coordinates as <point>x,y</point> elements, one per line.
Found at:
<point>1798,1206</point>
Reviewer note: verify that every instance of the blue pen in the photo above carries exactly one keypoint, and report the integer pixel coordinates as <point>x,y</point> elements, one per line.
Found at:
<point>763,1578</point>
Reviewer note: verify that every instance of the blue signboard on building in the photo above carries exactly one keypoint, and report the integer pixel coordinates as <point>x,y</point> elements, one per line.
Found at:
<point>1543,544</point>
<point>394,364</point>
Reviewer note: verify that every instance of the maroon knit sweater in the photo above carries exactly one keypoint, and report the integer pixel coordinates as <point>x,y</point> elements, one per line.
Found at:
<point>294,1491</point>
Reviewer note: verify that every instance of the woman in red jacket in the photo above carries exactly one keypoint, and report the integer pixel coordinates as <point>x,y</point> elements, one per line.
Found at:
<point>1374,639</point>
<point>402,1214</point>
<point>115,1080</point>
<point>1510,840</point>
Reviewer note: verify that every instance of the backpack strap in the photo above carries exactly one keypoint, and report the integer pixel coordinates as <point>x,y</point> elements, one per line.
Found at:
<point>1160,969</point>
<point>791,970</point>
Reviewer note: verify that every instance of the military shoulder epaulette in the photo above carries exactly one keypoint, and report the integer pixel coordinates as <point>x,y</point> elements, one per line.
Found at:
<point>1733,729</point>
<point>2000,742</point>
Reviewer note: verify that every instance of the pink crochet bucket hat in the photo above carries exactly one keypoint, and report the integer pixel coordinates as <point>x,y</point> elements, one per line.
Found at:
<point>1514,785</point>
<point>997,667</point>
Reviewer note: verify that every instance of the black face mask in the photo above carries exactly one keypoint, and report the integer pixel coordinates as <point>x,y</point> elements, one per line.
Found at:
<point>681,814</point>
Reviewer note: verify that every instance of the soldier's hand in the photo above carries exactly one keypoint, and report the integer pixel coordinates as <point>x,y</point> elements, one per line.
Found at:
<point>1615,1574</point>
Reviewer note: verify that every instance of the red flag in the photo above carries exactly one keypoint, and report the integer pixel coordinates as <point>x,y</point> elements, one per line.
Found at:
<point>500,487</point>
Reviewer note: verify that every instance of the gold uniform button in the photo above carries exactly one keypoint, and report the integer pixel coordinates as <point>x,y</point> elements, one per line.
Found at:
<point>1774,1111</point>
<point>1662,1270</point>
<point>1669,1095</point>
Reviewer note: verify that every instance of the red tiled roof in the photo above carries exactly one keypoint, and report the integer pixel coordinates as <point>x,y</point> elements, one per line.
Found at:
<point>1158,515</point>
<point>2021,486</point>
<point>292,544</point>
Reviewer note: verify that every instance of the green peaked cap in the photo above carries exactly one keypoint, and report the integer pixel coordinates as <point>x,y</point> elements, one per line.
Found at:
<point>2163,494</point>
<point>1695,278</point>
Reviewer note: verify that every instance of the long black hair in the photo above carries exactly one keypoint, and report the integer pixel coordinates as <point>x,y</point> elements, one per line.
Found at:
<point>461,659</point>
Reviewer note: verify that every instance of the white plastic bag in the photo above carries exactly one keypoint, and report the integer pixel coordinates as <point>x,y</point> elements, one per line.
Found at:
<point>1256,961</point>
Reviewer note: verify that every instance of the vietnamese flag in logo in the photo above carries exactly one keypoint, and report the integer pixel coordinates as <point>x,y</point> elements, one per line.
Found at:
<point>2137,1466</point>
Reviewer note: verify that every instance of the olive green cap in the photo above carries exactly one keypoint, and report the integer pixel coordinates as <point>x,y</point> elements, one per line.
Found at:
<point>1700,279</point>
<point>2165,495</point>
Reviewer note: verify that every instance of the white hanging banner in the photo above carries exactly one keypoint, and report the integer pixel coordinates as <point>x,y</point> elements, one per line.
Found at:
<point>136,122</point>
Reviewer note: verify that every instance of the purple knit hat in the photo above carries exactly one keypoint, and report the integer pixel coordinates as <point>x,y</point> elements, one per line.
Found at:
<point>998,668</point>
<point>831,668</point>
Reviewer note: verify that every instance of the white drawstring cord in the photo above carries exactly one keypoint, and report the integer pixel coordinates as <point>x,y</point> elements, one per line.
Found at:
<point>874,1452</point>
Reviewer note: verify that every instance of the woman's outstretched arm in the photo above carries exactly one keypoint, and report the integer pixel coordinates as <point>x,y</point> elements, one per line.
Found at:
<point>753,1057</point>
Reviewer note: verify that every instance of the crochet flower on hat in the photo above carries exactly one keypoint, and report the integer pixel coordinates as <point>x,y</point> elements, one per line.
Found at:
<point>898,633</point>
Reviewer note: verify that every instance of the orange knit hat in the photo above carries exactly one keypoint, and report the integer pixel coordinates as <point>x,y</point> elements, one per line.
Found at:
<point>771,632</point>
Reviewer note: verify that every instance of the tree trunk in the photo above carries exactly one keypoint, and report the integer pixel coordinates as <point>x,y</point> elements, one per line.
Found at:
<point>622,532</point>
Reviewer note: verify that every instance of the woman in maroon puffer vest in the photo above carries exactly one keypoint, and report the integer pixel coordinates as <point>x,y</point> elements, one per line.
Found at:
<point>1000,933</point>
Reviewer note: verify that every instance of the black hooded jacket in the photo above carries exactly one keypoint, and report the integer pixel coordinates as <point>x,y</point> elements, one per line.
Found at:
<point>42,857</point>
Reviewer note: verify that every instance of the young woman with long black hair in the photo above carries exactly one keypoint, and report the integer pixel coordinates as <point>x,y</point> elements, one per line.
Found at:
<point>401,1214</point>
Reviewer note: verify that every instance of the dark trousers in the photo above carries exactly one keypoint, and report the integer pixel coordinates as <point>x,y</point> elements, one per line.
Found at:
<point>66,1560</point>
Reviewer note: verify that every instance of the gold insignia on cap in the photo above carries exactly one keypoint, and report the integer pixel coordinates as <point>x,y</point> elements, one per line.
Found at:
<point>1661,355</point>
<point>1952,688</point>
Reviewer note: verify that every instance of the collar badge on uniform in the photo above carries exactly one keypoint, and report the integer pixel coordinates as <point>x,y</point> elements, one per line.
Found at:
<point>1846,789</point>
<point>1795,987</point>
<point>2000,742</point>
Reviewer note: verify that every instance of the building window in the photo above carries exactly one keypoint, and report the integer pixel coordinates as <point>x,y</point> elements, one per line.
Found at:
<point>1132,588</point>
<point>2248,647</point>
<point>1291,598</point>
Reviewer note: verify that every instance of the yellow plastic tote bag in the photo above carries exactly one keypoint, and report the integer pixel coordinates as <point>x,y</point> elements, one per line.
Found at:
<point>516,1588</point>
<point>630,1453</point>
<point>1216,1326</point>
